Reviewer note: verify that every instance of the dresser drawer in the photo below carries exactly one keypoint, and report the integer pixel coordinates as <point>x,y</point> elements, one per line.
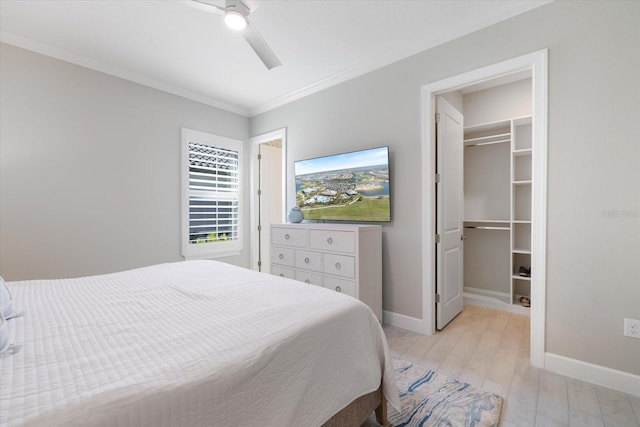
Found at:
<point>309,260</point>
<point>307,277</point>
<point>345,258</point>
<point>339,265</point>
<point>283,272</point>
<point>331,240</point>
<point>296,237</point>
<point>283,256</point>
<point>347,287</point>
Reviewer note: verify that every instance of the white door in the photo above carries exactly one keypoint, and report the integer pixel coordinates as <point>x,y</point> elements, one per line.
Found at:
<point>449,212</point>
<point>269,198</point>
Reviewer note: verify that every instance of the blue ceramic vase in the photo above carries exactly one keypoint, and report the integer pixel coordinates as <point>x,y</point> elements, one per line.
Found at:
<point>295,215</point>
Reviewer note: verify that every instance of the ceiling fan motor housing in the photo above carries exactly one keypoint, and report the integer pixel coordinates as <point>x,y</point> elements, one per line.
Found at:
<point>237,6</point>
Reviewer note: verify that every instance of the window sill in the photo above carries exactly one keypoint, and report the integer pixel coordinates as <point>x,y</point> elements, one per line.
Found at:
<point>211,255</point>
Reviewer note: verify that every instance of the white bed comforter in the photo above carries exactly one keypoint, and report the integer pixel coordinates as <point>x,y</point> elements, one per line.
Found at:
<point>198,343</point>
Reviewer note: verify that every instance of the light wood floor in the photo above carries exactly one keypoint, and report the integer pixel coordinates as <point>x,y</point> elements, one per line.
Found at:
<point>490,349</point>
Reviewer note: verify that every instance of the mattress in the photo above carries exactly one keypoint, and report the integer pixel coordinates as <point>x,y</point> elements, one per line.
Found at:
<point>196,343</point>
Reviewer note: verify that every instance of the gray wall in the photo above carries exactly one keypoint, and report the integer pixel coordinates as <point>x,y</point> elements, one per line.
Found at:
<point>90,169</point>
<point>498,103</point>
<point>593,252</point>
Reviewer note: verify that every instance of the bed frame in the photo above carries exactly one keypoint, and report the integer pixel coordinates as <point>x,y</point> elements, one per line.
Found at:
<point>357,411</point>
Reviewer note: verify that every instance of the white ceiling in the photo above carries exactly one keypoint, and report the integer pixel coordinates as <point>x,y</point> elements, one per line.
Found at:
<point>173,46</point>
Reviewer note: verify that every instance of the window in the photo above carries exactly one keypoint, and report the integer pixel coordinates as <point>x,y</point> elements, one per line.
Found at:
<point>211,195</point>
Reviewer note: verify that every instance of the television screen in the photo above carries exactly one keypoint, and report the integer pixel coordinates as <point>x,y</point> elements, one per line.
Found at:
<point>345,187</point>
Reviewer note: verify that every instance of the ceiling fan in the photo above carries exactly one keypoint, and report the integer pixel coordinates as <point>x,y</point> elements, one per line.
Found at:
<point>236,16</point>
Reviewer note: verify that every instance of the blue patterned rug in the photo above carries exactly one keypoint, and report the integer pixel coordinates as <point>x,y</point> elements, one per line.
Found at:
<point>429,399</point>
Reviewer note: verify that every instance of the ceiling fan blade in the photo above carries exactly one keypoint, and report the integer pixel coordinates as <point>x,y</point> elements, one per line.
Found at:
<point>205,6</point>
<point>261,47</point>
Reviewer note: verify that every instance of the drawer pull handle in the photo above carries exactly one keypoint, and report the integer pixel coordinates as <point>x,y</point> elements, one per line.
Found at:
<point>281,256</point>
<point>286,237</point>
<point>338,266</point>
<point>329,240</point>
<point>306,260</point>
<point>338,289</point>
<point>307,281</point>
<point>281,274</point>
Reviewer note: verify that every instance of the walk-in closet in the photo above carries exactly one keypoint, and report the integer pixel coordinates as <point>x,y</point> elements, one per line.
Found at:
<point>497,192</point>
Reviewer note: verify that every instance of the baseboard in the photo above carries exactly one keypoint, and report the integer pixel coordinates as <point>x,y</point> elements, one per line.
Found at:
<point>595,374</point>
<point>405,322</point>
<point>492,299</point>
<point>501,296</point>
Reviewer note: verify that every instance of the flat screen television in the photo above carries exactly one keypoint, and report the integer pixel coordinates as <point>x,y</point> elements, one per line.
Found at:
<point>345,187</point>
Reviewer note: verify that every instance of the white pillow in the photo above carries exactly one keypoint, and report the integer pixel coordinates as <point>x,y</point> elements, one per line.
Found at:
<point>4,334</point>
<point>6,302</point>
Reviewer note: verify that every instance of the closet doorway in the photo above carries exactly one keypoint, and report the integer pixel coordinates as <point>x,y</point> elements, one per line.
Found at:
<point>483,196</point>
<point>503,160</point>
<point>268,198</point>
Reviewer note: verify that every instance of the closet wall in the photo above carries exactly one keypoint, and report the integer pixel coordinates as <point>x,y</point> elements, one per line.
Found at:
<point>497,193</point>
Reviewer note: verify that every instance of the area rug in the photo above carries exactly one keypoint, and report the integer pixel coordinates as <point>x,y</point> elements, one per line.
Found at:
<point>429,399</point>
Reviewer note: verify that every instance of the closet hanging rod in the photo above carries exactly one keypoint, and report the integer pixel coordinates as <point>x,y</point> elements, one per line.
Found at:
<point>487,143</point>
<point>488,138</point>
<point>487,227</point>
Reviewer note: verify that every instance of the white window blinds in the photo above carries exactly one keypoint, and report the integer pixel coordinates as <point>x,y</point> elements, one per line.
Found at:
<point>213,201</point>
<point>213,194</point>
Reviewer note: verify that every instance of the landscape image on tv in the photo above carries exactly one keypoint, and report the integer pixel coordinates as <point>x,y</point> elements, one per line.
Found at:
<point>345,187</point>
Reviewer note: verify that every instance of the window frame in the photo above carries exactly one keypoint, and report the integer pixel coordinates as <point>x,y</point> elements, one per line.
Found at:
<point>208,249</point>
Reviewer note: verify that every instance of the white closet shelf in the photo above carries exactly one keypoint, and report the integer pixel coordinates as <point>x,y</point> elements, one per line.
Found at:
<point>516,301</point>
<point>521,251</point>
<point>524,182</point>
<point>489,139</point>
<point>522,152</point>
<point>496,126</point>
<point>489,221</point>
<point>487,227</point>
<point>515,276</point>
<point>521,221</point>
<point>481,144</point>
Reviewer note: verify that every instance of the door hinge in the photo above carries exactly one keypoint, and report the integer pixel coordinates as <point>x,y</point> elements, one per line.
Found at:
<point>259,264</point>
<point>259,192</point>
<point>259,228</point>
<point>437,117</point>
<point>437,238</point>
<point>437,177</point>
<point>259,156</point>
<point>437,298</point>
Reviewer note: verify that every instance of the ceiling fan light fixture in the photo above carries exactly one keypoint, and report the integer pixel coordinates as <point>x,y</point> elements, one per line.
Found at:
<point>235,20</point>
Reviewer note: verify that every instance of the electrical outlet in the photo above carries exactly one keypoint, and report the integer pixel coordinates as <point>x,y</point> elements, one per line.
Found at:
<point>632,328</point>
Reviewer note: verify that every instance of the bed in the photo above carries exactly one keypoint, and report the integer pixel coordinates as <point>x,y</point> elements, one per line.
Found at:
<point>195,343</point>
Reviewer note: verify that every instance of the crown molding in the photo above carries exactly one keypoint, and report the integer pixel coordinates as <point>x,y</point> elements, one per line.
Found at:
<point>86,62</point>
<point>367,66</point>
<point>342,76</point>
<point>376,63</point>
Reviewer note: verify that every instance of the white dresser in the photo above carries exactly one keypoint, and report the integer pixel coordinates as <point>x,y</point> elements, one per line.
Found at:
<point>344,257</point>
